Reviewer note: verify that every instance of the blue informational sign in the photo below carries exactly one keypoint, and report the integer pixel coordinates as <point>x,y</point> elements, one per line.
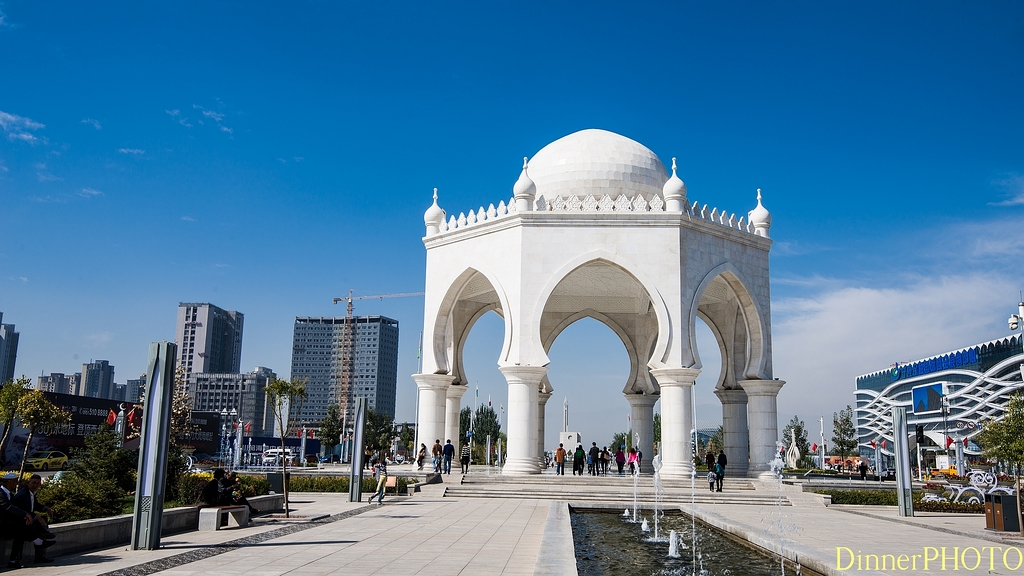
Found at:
<point>927,398</point>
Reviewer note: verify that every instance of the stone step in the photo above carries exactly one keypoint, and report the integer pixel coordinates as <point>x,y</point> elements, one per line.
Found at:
<point>618,498</point>
<point>615,481</point>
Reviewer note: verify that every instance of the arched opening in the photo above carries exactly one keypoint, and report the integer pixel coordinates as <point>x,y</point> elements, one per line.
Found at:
<point>480,353</point>
<point>588,360</point>
<point>706,405</point>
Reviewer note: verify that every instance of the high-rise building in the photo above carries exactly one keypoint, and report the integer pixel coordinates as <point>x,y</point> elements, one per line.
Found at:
<point>209,338</point>
<point>57,382</point>
<point>134,389</point>
<point>243,393</point>
<point>317,358</point>
<point>8,350</point>
<point>97,380</point>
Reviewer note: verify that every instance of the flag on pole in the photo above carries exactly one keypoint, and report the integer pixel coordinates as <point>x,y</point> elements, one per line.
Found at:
<point>883,444</point>
<point>248,427</point>
<point>949,442</point>
<point>488,400</point>
<point>873,445</point>
<point>814,447</point>
<point>111,418</point>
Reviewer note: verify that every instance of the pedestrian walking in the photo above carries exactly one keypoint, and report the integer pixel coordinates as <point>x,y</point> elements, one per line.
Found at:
<point>380,469</point>
<point>620,459</point>
<point>464,458</point>
<point>712,477</point>
<point>631,462</point>
<point>720,469</point>
<point>578,458</point>
<point>448,453</point>
<point>421,456</point>
<point>560,461</point>
<point>593,456</point>
<point>709,460</point>
<point>605,459</point>
<point>435,453</point>
<point>863,470</point>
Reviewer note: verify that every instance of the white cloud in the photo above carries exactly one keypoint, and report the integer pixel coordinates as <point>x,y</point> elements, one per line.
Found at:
<point>99,339</point>
<point>90,192</point>
<point>188,219</point>
<point>215,116</point>
<point>94,123</point>
<point>298,158</point>
<point>1014,186</point>
<point>226,129</point>
<point>18,127</point>
<point>47,177</point>
<point>133,151</point>
<point>21,279</point>
<point>50,199</point>
<point>176,114</point>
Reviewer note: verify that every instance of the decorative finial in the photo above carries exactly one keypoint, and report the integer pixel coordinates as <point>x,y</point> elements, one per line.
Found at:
<point>435,194</point>
<point>524,162</point>
<point>673,166</point>
<point>758,194</point>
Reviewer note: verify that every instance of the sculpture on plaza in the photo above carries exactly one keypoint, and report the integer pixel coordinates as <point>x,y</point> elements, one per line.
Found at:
<point>596,227</point>
<point>792,453</point>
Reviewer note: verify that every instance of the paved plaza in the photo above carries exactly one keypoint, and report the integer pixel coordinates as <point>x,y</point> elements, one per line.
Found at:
<point>431,533</point>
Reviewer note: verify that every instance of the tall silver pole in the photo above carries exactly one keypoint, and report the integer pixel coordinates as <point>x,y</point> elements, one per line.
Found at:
<point>355,476</point>
<point>151,482</point>
<point>902,453</point>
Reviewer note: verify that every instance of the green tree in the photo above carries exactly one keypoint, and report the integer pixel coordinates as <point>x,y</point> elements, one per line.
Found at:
<point>716,442</point>
<point>281,395</point>
<point>37,413</point>
<point>465,417</point>
<point>10,393</point>
<point>103,459</point>
<point>619,439</point>
<point>657,430</point>
<point>378,430</point>
<point>485,424</point>
<point>1003,440</point>
<point>330,429</point>
<point>844,433</point>
<point>797,426</point>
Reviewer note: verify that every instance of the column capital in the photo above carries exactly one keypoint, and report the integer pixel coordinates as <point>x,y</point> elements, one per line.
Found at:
<point>456,391</point>
<point>675,376</point>
<point>733,396</point>
<point>543,397</point>
<point>524,373</point>
<point>641,400</point>
<point>761,387</point>
<point>433,381</point>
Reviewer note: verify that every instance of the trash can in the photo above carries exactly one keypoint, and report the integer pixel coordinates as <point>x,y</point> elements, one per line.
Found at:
<point>1004,510</point>
<point>274,479</point>
<point>990,518</point>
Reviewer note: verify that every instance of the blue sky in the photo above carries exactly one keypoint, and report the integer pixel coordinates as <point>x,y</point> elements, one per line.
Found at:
<point>267,157</point>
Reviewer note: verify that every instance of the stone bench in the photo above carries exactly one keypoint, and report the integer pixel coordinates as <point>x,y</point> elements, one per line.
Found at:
<point>214,518</point>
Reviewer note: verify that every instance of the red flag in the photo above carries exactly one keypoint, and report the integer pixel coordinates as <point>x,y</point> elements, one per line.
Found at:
<point>309,433</point>
<point>234,425</point>
<point>111,418</point>
<point>814,447</point>
<point>872,443</point>
<point>883,444</point>
<point>248,427</point>
<point>965,442</point>
<point>134,417</point>
<point>949,442</point>
<point>298,433</point>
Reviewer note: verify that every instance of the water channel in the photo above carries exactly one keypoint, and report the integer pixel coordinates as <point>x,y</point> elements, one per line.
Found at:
<point>606,543</point>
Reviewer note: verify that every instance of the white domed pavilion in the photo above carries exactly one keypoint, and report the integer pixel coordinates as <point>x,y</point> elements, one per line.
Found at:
<point>634,253</point>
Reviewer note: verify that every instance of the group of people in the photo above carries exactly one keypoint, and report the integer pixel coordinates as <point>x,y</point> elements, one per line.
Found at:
<point>442,456</point>
<point>225,490</point>
<point>597,460</point>
<point>716,469</point>
<point>24,519</point>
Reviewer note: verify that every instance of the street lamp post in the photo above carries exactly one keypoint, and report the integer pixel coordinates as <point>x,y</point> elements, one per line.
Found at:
<point>1016,321</point>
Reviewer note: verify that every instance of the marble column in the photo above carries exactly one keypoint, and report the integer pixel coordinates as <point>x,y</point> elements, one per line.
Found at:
<point>433,390</point>
<point>763,422</point>
<point>642,415</point>
<point>451,416</point>
<point>735,432</point>
<point>542,401</point>
<point>676,420</point>
<point>523,389</point>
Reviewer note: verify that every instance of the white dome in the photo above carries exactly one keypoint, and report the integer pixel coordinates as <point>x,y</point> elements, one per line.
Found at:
<point>597,162</point>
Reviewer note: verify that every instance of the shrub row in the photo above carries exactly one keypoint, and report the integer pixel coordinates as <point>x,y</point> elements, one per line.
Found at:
<point>889,498</point>
<point>297,483</point>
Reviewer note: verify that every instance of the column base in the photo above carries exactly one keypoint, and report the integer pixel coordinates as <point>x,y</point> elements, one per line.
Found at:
<point>521,467</point>
<point>676,470</point>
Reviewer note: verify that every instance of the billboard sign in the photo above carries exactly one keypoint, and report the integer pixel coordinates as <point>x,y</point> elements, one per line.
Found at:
<point>927,398</point>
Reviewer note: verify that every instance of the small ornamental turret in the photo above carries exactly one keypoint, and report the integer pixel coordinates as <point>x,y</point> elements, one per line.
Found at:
<point>760,218</point>
<point>674,192</point>
<point>524,191</point>
<point>433,217</point>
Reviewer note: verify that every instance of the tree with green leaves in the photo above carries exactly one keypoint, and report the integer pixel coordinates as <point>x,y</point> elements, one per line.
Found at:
<point>844,433</point>
<point>657,430</point>
<point>619,439</point>
<point>716,442</point>
<point>465,418</point>
<point>797,425</point>
<point>37,413</point>
<point>10,393</point>
<point>378,430</point>
<point>281,395</point>
<point>330,429</point>
<point>1003,440</point>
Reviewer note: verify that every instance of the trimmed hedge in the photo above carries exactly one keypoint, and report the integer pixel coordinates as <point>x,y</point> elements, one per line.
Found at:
<point>889,498</point>
<point>297,483</point>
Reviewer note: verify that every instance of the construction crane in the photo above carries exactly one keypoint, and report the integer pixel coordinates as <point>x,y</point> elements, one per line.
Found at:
<point>345,396</point>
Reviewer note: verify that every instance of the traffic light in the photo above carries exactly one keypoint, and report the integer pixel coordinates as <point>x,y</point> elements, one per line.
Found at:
<point>920,433</point>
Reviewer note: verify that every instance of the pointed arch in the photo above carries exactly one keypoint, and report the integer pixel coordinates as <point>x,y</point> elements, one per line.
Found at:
<point>449,331</point>
<point>753,321</point>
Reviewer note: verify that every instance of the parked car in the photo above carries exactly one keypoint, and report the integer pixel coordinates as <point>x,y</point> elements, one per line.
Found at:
<point>51,460</point>
<point>272,457</point>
